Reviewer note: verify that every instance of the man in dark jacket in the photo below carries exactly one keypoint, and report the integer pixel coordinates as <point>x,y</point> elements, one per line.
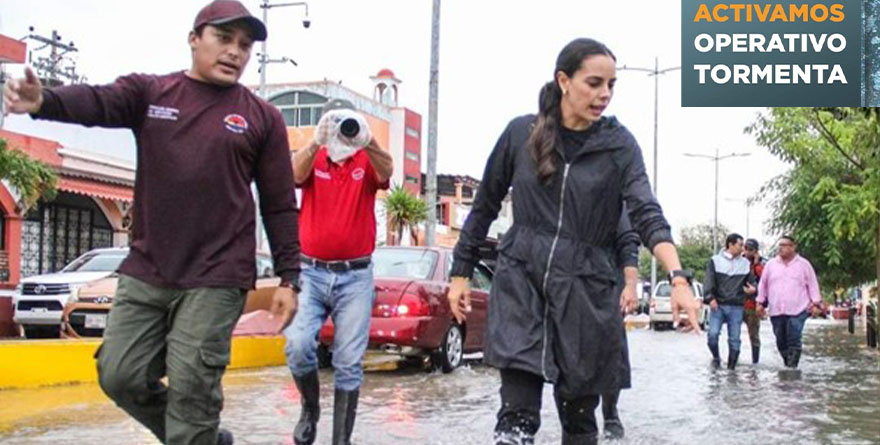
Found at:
<point>728,280</point>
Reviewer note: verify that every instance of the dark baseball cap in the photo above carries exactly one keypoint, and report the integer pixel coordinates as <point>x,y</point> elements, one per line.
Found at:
<point>337,104</point>
<point>221,12</point>
<point>752,244</point>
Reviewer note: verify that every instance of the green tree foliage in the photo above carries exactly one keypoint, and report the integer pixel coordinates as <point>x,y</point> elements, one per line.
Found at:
<point>830,199</point>
<point>33,179</point>
<point>405,210</point>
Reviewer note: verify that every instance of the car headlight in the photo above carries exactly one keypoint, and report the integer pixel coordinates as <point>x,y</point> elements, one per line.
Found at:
<point>74,294</point>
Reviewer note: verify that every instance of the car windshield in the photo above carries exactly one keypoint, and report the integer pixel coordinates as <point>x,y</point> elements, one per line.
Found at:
<point>96,262</point>
<point>404,263</point>
<point>662,290</point>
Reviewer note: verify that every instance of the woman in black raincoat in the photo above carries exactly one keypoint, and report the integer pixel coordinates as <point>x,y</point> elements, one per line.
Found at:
<point>554,308</point>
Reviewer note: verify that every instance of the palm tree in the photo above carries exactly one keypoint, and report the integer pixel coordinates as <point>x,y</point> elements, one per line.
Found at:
<point>405,210</point>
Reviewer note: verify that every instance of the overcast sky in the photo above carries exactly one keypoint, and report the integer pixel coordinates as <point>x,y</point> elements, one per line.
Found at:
<point>494,57</point>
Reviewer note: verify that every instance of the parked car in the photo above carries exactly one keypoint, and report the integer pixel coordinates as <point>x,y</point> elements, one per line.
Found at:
<point>661,306</point>
<point>39,300</point>
<point>85,315</point>
<point>411,316</point>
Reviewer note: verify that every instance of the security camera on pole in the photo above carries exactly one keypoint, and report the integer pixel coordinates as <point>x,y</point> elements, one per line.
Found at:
<point>263,56</point>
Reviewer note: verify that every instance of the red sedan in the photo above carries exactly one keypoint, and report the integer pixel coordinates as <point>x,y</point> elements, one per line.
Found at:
<point>411,316</point>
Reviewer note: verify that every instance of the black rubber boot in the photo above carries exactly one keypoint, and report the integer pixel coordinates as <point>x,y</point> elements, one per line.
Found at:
<point>307,428</point>
<point>514,429</point>
<point>732,358</point>
<point>344,412</point>
<point>520,415</point>
<point>794,357</point>
<point>716,356</point>
<point>224,437</point>
<point>756,354</point>
<point>786,357</point>
<point>580,439</point>
<point>578,419</point>
<point>613,426</point>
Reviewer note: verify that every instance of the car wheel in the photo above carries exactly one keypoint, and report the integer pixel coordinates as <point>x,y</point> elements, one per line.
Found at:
<point>449,355</point>
<point>31,331</point>
<point>325,357</point>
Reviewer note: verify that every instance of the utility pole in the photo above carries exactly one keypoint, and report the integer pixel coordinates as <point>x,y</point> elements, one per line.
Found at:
<point>263,57</point>
<point>431,177</point>
<point>655,72</point>
<point>52,68</point>
<point>717,158</point>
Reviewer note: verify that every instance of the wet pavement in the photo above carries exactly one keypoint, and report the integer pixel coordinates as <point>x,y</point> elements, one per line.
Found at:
<point>676,398</point>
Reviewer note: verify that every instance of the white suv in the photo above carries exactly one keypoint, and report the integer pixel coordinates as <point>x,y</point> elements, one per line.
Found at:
<point>39,300</point>
<point>661,306</point>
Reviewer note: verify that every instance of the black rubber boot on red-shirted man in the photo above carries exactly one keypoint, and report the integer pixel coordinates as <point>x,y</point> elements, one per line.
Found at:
<point>344,412</point>
<point>307,428</point>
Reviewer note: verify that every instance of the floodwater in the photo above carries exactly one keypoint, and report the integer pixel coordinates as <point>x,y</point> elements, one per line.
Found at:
<point>676,398</point>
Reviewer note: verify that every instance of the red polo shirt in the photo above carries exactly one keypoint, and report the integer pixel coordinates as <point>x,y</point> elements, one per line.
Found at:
<point>337,219</point>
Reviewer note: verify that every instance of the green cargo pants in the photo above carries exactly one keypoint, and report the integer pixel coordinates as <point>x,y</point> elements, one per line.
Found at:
<point>154,332</point>
<point>753,322</point>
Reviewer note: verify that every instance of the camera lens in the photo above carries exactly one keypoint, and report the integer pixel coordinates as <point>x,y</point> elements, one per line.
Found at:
<point>349,128</point>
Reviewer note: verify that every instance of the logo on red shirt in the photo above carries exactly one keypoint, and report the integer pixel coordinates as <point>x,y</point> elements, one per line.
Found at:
<point>357,174</point>
<point>235,123</point>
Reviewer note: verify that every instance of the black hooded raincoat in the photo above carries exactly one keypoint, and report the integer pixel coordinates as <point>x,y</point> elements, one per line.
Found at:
<point>554,304</point>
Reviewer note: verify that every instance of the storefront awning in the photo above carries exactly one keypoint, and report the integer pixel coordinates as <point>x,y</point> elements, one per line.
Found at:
<point>96,189</point>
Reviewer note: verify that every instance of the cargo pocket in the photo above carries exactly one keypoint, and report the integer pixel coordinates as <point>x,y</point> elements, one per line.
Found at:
<point>215,357</point>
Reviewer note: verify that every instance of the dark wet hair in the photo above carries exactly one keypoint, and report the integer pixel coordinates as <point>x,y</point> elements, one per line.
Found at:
<point>733,238</point>
<point>545,135</point>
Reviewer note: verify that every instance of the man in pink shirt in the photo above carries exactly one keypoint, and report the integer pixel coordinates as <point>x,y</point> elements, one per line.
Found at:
<point>789,286</point>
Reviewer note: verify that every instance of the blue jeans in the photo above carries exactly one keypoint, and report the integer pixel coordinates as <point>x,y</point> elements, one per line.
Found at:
<point>788,330</point>
<point>733,316</point>
<point>347,297</point>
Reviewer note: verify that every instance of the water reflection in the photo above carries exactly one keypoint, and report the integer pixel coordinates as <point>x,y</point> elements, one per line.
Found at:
<point>678,398</point>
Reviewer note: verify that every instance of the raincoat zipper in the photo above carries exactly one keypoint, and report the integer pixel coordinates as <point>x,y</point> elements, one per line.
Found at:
<point>547,272</point>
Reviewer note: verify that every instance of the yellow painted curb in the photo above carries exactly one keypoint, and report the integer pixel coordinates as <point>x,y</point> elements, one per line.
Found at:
<point>35,363</point>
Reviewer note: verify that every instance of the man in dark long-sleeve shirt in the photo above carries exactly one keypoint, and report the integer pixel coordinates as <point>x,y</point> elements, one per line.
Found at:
<point>201,138</point>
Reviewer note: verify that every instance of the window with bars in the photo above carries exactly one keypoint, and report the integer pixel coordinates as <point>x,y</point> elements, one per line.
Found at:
<point>300,108</point>
<point>54,234</point>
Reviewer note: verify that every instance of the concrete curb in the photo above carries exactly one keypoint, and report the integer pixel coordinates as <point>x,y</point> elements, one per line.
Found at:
<point>36,363</point>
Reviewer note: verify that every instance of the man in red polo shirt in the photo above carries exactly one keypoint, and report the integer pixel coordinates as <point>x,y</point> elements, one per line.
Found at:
<point>338,235</point>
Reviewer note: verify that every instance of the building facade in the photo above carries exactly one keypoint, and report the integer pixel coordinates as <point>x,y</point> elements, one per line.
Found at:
<point>396,128</point>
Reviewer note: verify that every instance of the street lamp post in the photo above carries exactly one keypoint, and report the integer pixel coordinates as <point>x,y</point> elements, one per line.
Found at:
<point>263,56</point>
<point>717,159</point>
<point>656,72</point>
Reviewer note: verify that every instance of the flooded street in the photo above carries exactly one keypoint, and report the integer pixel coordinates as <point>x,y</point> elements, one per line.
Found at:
<point>676,398</point>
